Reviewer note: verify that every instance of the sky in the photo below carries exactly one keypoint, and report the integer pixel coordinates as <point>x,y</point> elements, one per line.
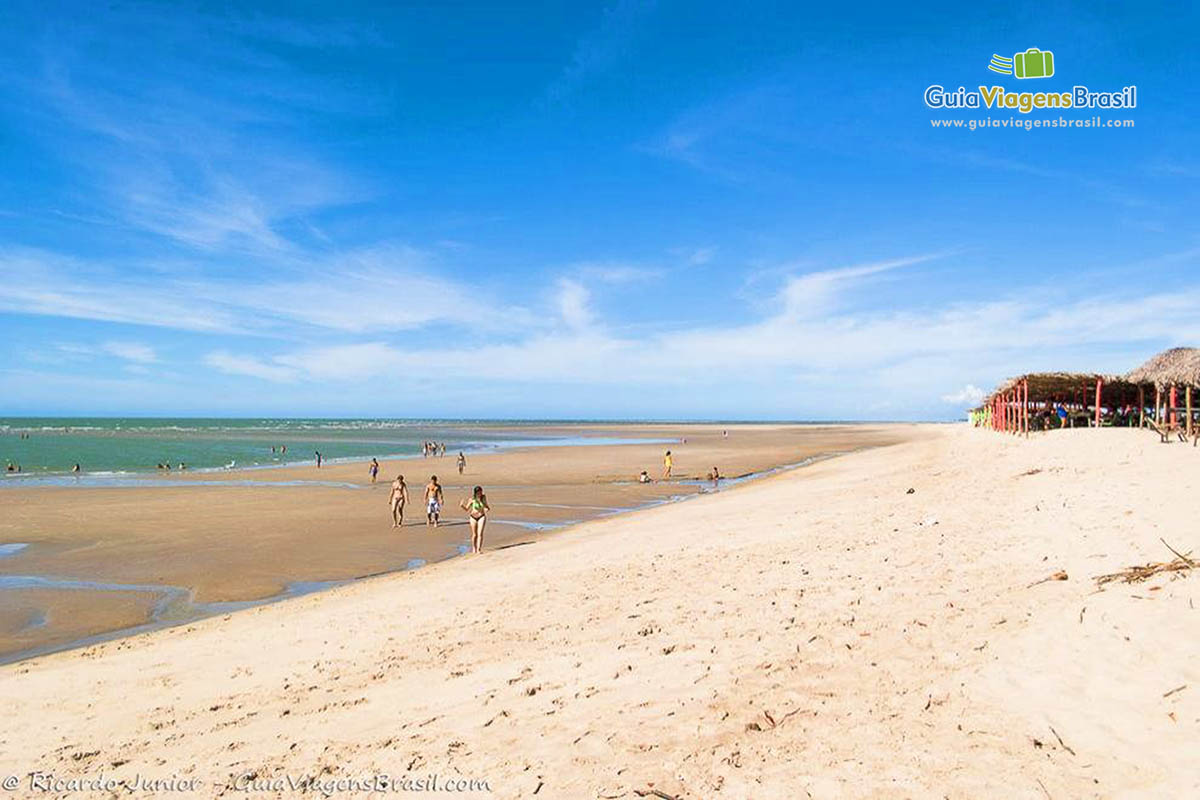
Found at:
<point>621,210</point>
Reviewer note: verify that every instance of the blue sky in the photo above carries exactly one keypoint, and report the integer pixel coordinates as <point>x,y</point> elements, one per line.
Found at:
<point>618,210</point>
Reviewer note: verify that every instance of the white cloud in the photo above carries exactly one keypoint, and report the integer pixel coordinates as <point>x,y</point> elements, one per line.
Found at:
<point>345,362</point>
<point>387,288</point>
<point>131,351</point>
<point>232,364</point>
<point>813,340</point>
<point>572,299</point>
<point>907,350</point>
<point>613,272</point>
<point>37,282</point>
<point>968,396</point>
<point>812,294</point>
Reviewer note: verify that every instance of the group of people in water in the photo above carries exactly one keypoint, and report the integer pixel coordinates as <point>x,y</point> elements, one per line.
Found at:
<point>433,449</point>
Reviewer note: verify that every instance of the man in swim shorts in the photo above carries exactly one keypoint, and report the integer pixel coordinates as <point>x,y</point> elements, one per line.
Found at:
<point>433,501</point>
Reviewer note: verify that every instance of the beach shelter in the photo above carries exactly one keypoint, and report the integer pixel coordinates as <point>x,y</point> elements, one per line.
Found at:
<point>1009,407</point>
<point>1168,372</point>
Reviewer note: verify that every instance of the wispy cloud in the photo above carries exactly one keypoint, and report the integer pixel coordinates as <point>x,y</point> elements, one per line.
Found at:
<point>613,272</point>
<point>813,293</point>
<point>572,300</point>
<point>49,284</point>
<point>207,166</point>
<point>232,364</point>
<point>896,357</point>
<point>386,288</point>
<point>601,48</point>
<point>131,351</point>
<point>712,137</point>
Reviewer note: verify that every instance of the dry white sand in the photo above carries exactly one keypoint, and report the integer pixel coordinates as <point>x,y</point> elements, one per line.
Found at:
<point>822,633</point>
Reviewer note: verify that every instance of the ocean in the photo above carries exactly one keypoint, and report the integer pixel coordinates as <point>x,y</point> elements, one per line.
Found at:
<point>51,446</point>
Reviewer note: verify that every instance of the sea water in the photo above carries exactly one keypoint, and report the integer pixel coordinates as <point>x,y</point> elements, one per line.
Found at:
<point>111,446</point>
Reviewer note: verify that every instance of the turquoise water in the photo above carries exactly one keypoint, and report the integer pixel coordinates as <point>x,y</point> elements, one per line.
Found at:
<point>51,446</point>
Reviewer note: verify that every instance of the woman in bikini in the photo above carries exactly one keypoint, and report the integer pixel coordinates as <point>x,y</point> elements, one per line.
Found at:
<point>477,508</point>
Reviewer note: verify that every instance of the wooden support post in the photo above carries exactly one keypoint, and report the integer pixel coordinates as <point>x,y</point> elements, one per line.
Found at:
<point>1188,399</point>
<point>1099,386</point>
<point>1025,407</point>
<point>1174,404</point>
<point>1141,406</point>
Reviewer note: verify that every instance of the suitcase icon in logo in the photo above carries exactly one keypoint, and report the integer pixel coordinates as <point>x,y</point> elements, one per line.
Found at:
<point>1034,63</point>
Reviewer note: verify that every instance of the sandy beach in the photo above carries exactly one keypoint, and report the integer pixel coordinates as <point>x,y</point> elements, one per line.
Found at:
<point>182,547</point>
<point>873,625</point>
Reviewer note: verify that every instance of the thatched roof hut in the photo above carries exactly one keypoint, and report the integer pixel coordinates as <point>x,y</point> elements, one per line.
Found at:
<point>1179,366</point>
<point>1086,394</point>
<point>1050,386</point>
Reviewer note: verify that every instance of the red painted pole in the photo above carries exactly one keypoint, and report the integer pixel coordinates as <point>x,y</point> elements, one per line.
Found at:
<point>1174,403</point>
<point>1099,384</point>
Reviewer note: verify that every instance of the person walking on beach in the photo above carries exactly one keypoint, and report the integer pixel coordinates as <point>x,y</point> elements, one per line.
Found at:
<point>476,508</point>
<point>462,463</point>
<point>397,500</point>
<point>374,469</point>
<point>668,463</point>
<point>433,501</point>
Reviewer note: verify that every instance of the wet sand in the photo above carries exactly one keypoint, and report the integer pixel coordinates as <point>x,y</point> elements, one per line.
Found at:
<point>231,544</point>
<point>876,625</point>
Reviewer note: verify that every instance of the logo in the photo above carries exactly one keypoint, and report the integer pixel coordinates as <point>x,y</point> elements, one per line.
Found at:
<point>1033,63</point>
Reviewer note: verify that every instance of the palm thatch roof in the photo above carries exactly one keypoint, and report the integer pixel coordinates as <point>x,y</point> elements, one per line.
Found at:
<point>1050,385</point>
<point>1179,366</point>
